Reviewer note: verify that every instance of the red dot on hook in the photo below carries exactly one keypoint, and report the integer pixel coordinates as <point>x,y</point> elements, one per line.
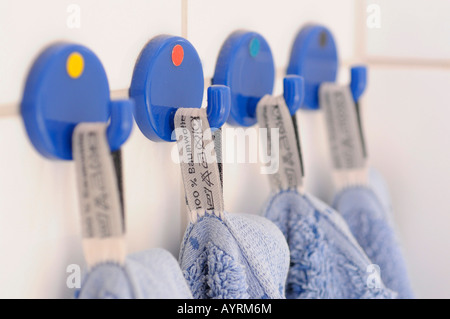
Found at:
<point>177,55</point>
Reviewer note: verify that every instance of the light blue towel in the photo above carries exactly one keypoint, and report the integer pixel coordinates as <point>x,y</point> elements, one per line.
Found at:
<point>369,221</point>
<point>380,188</point>
<point>239,257</point>
<point>152,274</point>
<point>326,260</point>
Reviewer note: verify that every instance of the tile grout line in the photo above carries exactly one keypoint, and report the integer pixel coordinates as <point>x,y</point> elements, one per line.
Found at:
<point>12,109</point>
<point>361,56</point>
<point>184,18</point>
<point>408,62</point>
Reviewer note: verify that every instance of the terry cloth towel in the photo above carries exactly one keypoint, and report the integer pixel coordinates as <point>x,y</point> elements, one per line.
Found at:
<point>237,257</point>
<point>380,188</point>
<point>326,260</point>
<point>371,225</point>
<point>152,274</point>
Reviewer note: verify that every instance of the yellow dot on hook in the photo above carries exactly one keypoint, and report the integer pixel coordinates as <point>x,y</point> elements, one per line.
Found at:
<point>75,65</point>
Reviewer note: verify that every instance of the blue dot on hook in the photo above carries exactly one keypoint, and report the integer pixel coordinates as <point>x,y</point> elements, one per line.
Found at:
<point>254,47</point>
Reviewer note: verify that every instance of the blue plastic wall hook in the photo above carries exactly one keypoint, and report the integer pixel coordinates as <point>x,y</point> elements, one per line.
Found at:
<point>168,75</point>
<point>67,85</point>
<point>245,64</point>
<point>314,57</point>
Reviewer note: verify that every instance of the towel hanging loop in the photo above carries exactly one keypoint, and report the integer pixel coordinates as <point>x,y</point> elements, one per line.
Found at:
<point>245,64</point>
<point>358,81</point>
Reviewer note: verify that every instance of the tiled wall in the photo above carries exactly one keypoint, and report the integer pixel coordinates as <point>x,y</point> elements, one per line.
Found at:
<point>405,115</point>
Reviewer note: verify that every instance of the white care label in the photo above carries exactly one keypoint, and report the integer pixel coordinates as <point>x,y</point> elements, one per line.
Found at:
<point>198,161</point>
<point>98,193</point>
<point>274,118</point>
<point>344,135</point>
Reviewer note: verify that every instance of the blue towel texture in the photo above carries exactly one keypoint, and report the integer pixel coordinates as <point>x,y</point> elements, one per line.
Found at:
<point>325,259</point>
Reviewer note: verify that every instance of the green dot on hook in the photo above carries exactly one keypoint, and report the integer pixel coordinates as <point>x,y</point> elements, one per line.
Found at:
<point>253,47</point>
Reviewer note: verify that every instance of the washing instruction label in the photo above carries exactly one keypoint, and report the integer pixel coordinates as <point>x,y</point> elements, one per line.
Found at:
<point>274,118</point>
<point>98,191</point>
<point>198,161</point>
<point>344,135</point>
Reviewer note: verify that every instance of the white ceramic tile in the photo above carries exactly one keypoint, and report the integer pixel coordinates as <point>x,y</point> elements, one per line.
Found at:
<point>408,29</point>
<point>115,30</point>
<point>39,220</point>
<point>211,21</point>
<point>406,122</point>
